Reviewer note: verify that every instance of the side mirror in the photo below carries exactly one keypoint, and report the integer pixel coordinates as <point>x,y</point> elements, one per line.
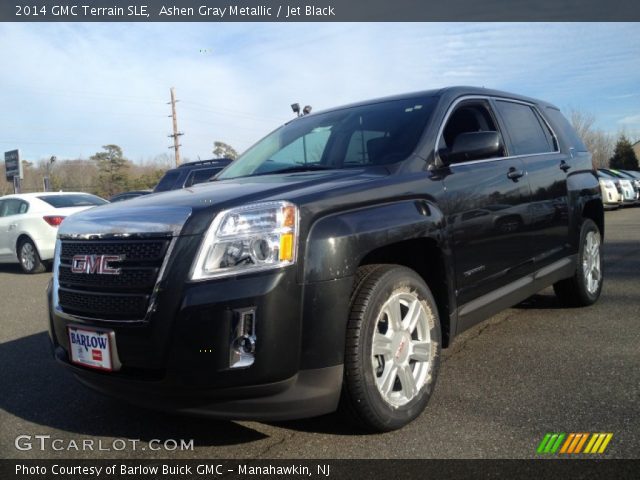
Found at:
<point>474,145</point>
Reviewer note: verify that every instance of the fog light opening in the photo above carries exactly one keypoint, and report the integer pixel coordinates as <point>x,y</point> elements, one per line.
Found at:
<point>242,345</point>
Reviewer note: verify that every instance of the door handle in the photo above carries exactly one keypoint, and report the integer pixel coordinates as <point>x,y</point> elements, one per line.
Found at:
<point>564,166</point>
<point>514,174</point>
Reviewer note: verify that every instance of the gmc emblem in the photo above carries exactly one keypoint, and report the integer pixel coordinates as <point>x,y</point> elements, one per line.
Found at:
<point>95,264</point>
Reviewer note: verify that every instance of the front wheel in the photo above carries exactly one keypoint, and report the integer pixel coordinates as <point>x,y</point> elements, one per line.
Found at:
<point>584,287</point>
<point>392,348</point>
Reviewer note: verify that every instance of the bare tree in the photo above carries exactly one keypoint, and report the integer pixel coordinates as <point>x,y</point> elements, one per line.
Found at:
<point>599,142</point>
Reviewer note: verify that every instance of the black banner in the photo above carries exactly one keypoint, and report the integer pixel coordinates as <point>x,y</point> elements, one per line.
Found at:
<point>335,469</point>
<point>317,10</point>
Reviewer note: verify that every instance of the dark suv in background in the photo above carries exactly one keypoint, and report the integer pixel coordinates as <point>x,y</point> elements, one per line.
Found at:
<point>328,265</point>
<point>191,173</point>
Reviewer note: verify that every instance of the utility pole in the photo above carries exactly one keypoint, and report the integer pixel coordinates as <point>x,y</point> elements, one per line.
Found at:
<point>176,144</point>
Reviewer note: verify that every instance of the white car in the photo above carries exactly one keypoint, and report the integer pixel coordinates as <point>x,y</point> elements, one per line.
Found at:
<point>610,196</point>
<point>29,223</point>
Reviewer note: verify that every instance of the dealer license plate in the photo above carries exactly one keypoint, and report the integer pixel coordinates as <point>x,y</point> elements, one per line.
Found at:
<point>90,348</point>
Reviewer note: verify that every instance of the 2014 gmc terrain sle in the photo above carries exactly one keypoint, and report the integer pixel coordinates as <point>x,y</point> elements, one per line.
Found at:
<point>329,264</point>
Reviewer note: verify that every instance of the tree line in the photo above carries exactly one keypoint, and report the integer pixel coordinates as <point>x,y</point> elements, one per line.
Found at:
<point>608,151</point>
<point>105,173</point>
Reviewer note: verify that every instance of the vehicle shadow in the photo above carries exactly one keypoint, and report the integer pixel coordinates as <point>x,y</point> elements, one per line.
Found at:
<point>540,301</point>
<point>37,390</point>
<point>10,268</point>
<point>14,269</point>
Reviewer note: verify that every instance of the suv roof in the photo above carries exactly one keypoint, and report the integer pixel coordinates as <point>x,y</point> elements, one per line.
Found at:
<point>191,173</point>
<point>222,162</point>
<point>453,92</point>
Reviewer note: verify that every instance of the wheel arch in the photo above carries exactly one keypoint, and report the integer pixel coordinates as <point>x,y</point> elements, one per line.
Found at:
<point>407,232</point>
<point>594,210</point>
<point>425,257</point>
<point>21,238</point>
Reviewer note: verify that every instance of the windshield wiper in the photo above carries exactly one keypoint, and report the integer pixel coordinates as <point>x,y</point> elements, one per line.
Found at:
<point>310,167</point>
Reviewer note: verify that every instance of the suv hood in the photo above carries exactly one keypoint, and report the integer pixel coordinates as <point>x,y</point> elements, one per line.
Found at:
<point>167,212</point>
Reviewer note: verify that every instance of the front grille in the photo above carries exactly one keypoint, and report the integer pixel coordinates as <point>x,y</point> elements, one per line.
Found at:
<point>122,297</point>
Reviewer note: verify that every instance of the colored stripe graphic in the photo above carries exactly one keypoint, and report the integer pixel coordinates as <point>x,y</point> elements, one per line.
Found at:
<point>550,443</point>
<point>598,442</point>
<point>574,443</point>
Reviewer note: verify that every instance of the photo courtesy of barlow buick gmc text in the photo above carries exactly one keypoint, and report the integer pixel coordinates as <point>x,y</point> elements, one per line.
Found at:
<point>359,240</point>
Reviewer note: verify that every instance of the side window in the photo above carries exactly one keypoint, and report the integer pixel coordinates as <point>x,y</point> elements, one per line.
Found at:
<point>468,117</point>
<point>3,207</point>
<point>13,206</point>
<point>529,134</point>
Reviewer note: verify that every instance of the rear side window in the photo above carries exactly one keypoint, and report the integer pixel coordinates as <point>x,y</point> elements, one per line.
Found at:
<point>65,201</point>
<point>13,206</point>
<point>528,133</point>
<point>562,125</point>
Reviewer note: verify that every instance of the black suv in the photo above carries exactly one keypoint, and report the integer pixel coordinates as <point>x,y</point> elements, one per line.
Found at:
<point>329,264</point>
<point>191,173</point>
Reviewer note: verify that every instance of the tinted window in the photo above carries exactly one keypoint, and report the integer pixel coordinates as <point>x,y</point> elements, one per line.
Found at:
<point>167,182</point>
<point>525,129</point>
<point>563,126</point>
<point>201,175</point>
<point>64,201</point>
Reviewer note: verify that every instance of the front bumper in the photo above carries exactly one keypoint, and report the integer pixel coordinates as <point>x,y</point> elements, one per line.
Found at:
<point>611,197</point>
<point>180,359</point>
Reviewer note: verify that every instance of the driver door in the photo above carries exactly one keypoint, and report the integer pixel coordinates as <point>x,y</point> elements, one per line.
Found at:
<point>487,207</point>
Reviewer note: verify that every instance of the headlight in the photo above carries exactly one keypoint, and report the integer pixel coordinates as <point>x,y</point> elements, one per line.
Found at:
<point>247,239</point>
<point>608,184</point>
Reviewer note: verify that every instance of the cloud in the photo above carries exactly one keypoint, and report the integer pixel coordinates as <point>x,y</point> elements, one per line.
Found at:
<point>71,88</point>
<point>630,120</point>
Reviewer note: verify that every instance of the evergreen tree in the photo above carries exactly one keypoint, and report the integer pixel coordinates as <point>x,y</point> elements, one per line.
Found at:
<point>624,158</point>
<point>112,170</point>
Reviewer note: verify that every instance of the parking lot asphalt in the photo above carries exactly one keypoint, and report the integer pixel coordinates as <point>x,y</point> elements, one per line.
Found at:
<point>530,370</point>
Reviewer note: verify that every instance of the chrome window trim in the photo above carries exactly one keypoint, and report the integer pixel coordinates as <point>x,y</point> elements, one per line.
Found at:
<point>488,99</point>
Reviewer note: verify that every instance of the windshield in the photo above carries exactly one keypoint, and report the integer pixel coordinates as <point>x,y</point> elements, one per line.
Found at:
<point>166,182</point>
<point>374,134</point>
<point>80,200</point>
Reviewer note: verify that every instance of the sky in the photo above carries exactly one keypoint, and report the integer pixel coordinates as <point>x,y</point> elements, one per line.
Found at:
<point>66,89</point>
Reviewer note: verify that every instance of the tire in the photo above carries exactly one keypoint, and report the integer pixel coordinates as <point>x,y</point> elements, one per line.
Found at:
<point>386,391</point>
<point>584,288</point>
<point>29,257</point>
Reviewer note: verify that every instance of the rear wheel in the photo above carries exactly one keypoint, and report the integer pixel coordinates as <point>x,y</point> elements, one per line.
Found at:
<point>392,349</point>
<point>29,257</point>
<point>585,286</point>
